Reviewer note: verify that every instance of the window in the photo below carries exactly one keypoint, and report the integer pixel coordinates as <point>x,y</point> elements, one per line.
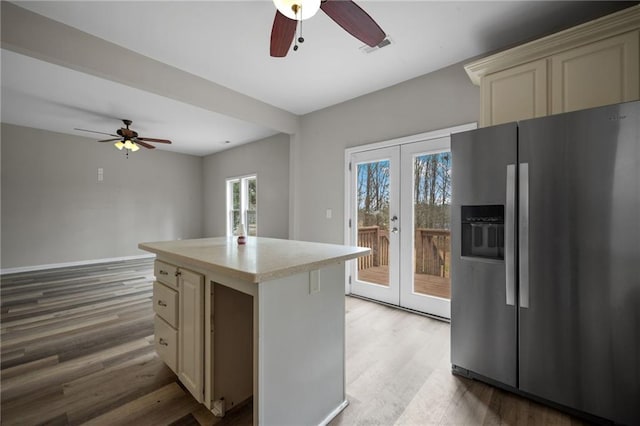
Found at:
<point>242,205</point>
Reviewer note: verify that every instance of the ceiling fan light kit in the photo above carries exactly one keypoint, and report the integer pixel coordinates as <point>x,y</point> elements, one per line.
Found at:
<point>128,145</point>
<point>298,10</point>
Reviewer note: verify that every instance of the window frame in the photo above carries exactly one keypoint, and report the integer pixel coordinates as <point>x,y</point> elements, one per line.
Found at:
<point>244,202</point>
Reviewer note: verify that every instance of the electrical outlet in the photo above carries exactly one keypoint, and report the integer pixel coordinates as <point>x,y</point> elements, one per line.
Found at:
<point>100,174</point>
<point>329,213</point>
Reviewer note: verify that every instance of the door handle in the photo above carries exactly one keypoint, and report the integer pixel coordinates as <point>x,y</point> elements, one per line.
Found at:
<point>394,230</point>
<point>509,236</point>
<point>394,218</point>
<point>523,234</point>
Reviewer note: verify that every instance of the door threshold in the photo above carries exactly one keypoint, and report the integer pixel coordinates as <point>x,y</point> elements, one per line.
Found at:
<point>402,308</point>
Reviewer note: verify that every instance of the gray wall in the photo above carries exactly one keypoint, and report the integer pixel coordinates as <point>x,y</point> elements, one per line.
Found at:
<point>434,101</point>
<point>55,211</point>
<point>269,159</point>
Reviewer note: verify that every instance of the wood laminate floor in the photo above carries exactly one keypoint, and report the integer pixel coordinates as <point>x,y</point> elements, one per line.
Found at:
<point>77,347</point>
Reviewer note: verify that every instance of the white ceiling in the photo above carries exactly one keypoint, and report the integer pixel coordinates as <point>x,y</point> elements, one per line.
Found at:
<point>227,42</point>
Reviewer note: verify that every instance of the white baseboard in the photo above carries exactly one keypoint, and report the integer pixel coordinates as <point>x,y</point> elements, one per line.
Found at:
<point>68,264</point>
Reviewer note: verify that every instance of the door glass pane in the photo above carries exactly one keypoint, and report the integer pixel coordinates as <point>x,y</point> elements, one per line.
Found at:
<point>252,209</point>
<point>235,222</point>
<point>373,219</point>
<point>235,208</point>
<point>431,230</point>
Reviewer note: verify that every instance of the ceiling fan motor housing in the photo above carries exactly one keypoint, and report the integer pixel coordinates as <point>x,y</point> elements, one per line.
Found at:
<point>127,133</point>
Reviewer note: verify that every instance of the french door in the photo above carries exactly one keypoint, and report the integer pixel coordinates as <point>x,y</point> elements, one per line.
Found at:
<point>399,207</point>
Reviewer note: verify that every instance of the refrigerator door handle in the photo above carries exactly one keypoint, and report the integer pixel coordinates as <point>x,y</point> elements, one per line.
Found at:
<point>509,236</point>
<point>523,234</point>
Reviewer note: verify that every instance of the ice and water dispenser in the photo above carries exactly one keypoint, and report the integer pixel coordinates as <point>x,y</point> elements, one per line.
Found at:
<point>483,231</point>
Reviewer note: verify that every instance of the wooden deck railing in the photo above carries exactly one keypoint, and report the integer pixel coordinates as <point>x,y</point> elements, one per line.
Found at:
<point>378,241</point>
<point>432,249</point>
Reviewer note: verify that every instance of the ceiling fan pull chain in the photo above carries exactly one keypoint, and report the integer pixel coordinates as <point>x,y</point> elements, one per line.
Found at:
<point>301,39</point>
<point>298,28</point>
<point>297,8</point>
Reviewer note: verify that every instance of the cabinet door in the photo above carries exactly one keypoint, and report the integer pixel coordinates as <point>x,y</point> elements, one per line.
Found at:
<point>516,93</point>
<point>601,73</point>
<point>190,333</point>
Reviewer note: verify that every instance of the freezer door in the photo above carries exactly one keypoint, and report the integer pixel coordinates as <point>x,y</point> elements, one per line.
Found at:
<point>580,260</point>
<point>483,315</point>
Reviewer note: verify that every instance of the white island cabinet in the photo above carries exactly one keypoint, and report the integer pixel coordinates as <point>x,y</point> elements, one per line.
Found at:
<point>264,320</point>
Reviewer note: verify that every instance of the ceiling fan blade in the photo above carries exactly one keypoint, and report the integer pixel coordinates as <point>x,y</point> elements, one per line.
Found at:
<point>354,20</point>
<point>93,131</point>
<point>146,145</point>
<point>110,140</point>
<point>154,140</point>
<point>282,34</point>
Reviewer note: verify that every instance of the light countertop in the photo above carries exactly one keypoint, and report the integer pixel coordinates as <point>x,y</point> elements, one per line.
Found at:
<point>260,259</point>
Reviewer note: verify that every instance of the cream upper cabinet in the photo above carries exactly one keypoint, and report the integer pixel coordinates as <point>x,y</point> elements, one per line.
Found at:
<point>515,93</point>
<point>593,64</point>
<point>600,73</point>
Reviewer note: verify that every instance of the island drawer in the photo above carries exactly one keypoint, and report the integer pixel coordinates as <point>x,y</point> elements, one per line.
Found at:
<point>165,303</point>
<point>166,273</point>
<point>166,343</point>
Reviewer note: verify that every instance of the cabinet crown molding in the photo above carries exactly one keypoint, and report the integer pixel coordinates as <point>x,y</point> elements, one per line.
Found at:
<point>607,26</point>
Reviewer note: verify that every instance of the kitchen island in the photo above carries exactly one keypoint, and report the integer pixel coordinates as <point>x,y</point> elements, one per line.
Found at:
<point>264,320</point>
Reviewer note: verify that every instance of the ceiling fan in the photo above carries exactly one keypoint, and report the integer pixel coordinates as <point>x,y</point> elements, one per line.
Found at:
<point>345,13</point>
<point>127,138</point>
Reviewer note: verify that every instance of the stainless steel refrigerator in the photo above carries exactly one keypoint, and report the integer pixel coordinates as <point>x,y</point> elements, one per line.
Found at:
<point>545,264</point>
